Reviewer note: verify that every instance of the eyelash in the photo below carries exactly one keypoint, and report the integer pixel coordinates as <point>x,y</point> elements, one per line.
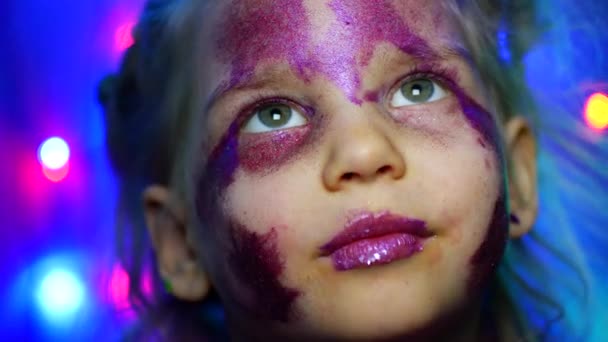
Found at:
<point>437,73</point>
<point>261,100</point>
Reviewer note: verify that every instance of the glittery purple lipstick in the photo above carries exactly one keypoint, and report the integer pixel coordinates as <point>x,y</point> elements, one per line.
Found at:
<point>375,239</point>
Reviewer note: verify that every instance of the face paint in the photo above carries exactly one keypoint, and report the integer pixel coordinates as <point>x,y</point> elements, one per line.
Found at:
<point>224,159</point>
<point>217,175</point>
<point>280,31</point>
<point>266,152</point>
<point>487,257</point>
<point>361,25</point>
<point>259,31</point>
<point>257,264</point>
<point>254,259</point>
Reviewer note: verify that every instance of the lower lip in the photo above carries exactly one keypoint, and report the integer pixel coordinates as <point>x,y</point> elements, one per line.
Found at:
<point>376,251</point>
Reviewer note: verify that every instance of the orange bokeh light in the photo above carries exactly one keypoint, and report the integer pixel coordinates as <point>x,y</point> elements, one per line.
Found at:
<point>596,111</point>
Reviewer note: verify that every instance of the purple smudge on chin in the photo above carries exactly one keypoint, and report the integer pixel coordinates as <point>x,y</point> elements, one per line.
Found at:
<point>258,265</point>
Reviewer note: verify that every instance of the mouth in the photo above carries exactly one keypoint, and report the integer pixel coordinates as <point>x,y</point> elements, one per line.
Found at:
<point>370,240</point>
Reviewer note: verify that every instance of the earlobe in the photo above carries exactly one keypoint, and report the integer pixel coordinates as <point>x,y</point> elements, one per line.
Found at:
<point>521,160</point>
<point>177,260</point>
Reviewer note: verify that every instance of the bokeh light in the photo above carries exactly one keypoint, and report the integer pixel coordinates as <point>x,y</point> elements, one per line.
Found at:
<point>123,37</point>
<point>596,111</point>
<point>56,175</point>
<point>60,294</point>
<point>119,288</point>
<point>54,153</point>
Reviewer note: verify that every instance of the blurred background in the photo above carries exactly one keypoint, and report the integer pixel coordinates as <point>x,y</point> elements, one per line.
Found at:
<point>58,192</point>
<point>59,280</point>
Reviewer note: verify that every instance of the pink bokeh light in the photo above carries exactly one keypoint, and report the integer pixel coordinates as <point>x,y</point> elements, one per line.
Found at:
<point>123,37</point>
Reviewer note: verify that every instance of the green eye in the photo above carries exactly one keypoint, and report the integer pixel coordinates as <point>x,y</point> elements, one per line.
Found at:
<point>274,117</point>
<point>417,91</point>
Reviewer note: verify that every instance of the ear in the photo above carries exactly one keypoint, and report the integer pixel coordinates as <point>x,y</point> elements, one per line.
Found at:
<point>523,192</point>
<point>178,263</point>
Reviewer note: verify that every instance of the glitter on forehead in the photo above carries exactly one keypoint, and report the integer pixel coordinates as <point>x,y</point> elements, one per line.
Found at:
<point>361,25</point>
<point>281,31</point>
<point>262,31</point>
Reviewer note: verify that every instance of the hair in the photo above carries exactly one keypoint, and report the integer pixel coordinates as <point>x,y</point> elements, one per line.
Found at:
<point>150,107</point>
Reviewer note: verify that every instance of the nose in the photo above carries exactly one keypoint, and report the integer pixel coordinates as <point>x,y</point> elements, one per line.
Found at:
<point>362,153</point>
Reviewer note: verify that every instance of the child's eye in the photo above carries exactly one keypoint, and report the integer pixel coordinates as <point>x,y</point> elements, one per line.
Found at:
<point>416,91</point>
<point>274,117</point>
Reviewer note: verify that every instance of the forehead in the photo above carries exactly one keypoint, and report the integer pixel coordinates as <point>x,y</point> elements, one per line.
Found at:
<point>303,28</point>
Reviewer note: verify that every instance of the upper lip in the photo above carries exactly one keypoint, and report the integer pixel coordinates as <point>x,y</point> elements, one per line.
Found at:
<point>369,225</point>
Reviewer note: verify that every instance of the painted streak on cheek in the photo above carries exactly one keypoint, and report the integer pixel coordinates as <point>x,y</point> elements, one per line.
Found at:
<point>268,151</point>
<point>487,257</point>
<point>254,258</point>
<point>222,163</point>
<point>258,265</point>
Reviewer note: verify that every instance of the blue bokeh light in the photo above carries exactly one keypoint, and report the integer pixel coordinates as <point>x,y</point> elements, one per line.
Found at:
<point>60,295</point>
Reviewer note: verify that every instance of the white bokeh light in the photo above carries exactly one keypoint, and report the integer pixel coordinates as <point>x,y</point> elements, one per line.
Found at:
<point>54,153</point>
<point>60,293</point>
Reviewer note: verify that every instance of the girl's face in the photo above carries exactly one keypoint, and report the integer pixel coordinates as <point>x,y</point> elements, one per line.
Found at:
<point>355,182</point>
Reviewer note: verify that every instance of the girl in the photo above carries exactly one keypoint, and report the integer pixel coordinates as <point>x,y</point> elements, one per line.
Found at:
<point>330,170</point>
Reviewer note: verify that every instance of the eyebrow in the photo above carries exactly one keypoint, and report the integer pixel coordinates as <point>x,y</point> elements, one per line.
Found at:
<point>445,51</point>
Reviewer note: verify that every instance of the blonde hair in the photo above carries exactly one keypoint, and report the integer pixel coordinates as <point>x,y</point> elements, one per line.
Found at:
<point>152,111</point>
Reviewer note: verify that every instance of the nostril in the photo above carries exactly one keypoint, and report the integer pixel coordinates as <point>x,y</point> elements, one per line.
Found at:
<point>385,169</point>
<point>348,176</point>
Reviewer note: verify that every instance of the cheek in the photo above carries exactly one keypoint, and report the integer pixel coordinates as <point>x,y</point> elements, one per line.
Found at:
<point>485,260</point>
<point>461,127</point>
<point>252,254</point>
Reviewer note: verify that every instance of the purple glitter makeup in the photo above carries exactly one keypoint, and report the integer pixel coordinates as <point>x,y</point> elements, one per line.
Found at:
<point>268,151</point>
<point>487,257</point>
<point>217,174</point>
<point>280,31</point>
<point>264,30</point>
<point>258,265</point>
<point>361,25</point>
<point>223,161</point>
<point>254,258</point>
